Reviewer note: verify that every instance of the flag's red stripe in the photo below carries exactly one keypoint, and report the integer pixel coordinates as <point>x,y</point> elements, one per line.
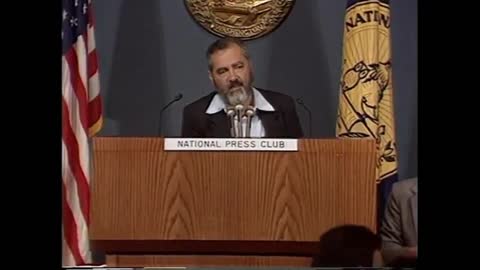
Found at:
<point>94,110</point>
<point>92,63</point>
<point>70,229</point>
<point>74,161</point>
<point>78,87</point>
<point>91,18</point>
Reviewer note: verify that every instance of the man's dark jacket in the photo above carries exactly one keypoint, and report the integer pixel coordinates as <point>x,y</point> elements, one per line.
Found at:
<point>281,123</point>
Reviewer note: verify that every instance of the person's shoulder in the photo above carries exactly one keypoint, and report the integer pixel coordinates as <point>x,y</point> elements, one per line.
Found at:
<point>404,186</point>
<point>201,104</point>
<point>274,96</point>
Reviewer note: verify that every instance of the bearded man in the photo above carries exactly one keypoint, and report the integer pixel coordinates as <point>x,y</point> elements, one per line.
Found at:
<point>236,108</point>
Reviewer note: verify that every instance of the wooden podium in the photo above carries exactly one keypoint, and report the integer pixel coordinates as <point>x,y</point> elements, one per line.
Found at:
<point>156,208</point>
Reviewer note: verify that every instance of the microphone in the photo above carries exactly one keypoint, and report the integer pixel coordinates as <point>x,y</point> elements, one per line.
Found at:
<point>175,99</point>
<point>249,114</point>
<point>231,115</point>
<point>300,101</point>
<point>239,110</point>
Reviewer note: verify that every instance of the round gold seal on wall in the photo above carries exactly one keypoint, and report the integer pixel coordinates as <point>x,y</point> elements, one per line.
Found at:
<point>244,19</point>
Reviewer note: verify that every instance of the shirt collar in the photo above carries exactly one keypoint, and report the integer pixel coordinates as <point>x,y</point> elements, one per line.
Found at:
<point>217,104</point>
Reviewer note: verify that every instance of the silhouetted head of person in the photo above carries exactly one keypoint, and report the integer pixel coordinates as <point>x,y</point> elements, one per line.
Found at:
<point>347,246</point>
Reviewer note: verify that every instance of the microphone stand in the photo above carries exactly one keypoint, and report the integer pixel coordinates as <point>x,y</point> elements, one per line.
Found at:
<point>249,114</point>
<point>300,101</point>
<point>231,115</point>
<point>175,99</point>
<point>239,111</point>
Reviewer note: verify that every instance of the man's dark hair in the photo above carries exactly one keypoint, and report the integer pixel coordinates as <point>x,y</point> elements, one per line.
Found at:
<point>222,44</point>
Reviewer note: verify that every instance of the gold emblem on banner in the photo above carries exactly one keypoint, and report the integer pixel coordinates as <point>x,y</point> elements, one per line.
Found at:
<point>244,19</point>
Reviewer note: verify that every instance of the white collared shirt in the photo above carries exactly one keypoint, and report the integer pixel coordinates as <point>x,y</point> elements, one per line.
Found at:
<point>257,130</point>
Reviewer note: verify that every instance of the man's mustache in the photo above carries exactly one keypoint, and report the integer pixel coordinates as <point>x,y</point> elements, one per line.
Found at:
<point>235,84</point>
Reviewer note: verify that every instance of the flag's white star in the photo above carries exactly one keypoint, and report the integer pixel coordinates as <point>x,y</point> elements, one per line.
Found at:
<point>65,14</point>
<point>84,8</point>
<point>74,21</point>
<point>76,3</point>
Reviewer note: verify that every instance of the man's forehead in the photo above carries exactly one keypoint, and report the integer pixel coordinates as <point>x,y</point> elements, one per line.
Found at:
<point>229,61</point>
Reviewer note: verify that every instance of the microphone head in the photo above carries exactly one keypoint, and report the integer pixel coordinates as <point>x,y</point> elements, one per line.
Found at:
<point>239,107</point>
<point>230,112</point>
<point>250,111</point>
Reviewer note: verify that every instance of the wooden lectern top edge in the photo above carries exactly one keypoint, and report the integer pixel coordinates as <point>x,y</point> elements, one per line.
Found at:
<point>118,143</point>
<point>324,139</point>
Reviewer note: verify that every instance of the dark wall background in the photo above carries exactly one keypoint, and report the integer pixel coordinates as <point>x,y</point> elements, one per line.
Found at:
<point>150,50</point>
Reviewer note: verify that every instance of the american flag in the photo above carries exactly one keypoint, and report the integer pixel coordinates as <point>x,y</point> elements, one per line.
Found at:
<point>81,119</point>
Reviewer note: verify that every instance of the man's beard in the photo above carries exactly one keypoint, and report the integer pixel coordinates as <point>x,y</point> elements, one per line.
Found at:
<point>237,95</point>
